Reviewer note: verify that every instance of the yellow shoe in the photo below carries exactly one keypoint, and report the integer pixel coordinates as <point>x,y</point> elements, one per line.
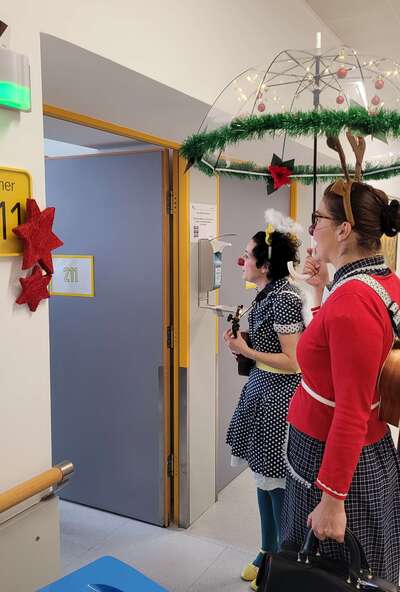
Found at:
<point>254,586</point>
<point>249,573</point>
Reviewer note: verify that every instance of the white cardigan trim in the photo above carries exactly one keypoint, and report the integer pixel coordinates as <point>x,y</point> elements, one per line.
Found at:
<point>331,490</point>
<point>325,401</point>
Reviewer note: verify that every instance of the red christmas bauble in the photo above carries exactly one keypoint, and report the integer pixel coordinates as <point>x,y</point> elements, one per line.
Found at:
<point>240,262</point>
<point>340,99</point>
<point>379,84</point>
<point>342,72</point>
<point>375,100</point>
<point>261,107</point>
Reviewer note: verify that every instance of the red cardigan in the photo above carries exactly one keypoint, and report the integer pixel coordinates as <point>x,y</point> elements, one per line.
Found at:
<point>341,354</point>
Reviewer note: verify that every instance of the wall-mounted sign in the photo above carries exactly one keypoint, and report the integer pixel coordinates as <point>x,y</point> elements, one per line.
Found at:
<point>15,82</point>
<point>73,276</point>
<point>203,221</point>
<point>15,188</point>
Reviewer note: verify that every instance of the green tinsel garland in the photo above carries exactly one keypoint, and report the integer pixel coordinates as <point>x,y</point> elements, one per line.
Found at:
<point>329,123</point>
<point>325,173</point>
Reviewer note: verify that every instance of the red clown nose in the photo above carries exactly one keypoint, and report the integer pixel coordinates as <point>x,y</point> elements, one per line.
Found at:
<point>240,262</point>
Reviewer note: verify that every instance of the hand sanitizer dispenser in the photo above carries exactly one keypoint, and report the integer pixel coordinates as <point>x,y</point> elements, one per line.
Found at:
<point>210,271</point>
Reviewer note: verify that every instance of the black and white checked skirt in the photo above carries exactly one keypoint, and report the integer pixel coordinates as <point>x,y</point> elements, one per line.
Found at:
<point>372,505</point>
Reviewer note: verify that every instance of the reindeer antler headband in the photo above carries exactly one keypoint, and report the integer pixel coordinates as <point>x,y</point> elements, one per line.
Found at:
<point>343,187</point>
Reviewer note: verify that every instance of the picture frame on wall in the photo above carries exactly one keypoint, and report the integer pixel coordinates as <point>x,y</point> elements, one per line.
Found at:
<point>73,276</point>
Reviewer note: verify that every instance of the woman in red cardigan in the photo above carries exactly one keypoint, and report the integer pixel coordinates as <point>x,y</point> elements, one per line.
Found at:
<point>343,468</point>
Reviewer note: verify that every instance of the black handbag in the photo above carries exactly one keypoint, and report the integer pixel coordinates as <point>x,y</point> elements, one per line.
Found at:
<point>308,571</point>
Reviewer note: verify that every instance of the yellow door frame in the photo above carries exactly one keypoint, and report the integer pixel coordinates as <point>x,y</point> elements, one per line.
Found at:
<point>175,284</point>
<point>171,314</point>
<point>112,128</point>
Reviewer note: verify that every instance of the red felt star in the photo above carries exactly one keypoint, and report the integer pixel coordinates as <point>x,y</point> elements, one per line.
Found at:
<point>280,175</point>
<point>38,237</point>
<point>32,209</point>
<point>34,288</point>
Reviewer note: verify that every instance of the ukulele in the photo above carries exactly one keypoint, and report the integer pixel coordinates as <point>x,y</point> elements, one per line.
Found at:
<point>244,364</point>
<point>235,320</point>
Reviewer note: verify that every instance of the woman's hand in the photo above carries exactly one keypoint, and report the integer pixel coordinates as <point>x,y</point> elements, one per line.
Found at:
<point>237,345</point>
<point>328,520</point>
<point>318,270</point>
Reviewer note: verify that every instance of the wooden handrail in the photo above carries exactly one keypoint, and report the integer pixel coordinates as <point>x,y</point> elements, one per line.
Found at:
<point>34,486</point>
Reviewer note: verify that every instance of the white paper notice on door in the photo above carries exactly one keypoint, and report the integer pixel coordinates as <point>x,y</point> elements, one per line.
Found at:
<point>203,221</point>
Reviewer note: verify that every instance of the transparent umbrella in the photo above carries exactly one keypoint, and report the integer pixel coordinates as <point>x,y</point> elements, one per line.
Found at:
<point>302,95</point>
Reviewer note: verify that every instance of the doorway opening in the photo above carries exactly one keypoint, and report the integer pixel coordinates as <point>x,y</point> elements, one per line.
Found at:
<point>112,347</point>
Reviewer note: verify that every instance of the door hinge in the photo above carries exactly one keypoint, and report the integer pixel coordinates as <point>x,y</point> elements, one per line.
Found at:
<point>170,202</point>
<point>170,337</point>
<point>170,466</point>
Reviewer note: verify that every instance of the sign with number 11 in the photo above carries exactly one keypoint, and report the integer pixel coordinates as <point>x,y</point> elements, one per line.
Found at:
<point>15,188</point>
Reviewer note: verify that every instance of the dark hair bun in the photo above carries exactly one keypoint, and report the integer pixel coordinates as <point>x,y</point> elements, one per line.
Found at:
<point>373,214</point>
<point>390,218</point>
<point>281,248</point>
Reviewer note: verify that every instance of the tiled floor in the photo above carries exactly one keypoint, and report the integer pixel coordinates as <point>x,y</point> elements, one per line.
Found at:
<point>208,556</point>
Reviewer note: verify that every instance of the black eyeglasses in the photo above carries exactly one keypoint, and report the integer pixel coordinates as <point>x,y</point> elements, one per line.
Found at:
<point>314,220</point>
<point>315,217</point>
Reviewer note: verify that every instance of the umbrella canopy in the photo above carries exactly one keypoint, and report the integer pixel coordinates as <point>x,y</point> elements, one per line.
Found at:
<point>302,95</point>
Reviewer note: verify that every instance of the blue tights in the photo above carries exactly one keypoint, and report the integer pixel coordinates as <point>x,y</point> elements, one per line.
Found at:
<point>270,504</point>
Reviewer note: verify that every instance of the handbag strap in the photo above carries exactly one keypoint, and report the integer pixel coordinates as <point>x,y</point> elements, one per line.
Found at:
<point>358,560</point>
<point>391,306</point>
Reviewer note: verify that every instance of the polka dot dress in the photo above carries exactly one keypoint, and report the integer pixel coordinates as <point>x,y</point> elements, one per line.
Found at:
<point>257,430</point>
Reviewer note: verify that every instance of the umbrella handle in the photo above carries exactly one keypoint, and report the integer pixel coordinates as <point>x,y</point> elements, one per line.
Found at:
<point>295,274</point>
<point>302,277</point>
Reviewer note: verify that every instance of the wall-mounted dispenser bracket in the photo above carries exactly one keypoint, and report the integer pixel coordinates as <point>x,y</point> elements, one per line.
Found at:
<point>210,272</point>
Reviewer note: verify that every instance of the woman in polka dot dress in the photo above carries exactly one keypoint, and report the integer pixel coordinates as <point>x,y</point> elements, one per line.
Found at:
<point>258,427</point>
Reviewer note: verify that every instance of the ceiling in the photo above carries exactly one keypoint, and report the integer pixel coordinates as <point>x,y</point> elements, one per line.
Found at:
<point>74,79</point>
<point>63,138</point>
<point>368,26</point>
<point>57,129</point>
<point>81,81</point>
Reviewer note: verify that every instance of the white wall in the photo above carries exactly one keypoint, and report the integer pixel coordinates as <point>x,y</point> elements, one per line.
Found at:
<point>391,187</point>
<point>201,386</point>
<point>304,211</point>
<point>30,548</point>
<point>195,47</point>
<point>24,350</point>
<point>25,444</point>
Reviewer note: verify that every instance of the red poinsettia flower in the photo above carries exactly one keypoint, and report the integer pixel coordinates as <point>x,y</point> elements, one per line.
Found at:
<point>280,175</point>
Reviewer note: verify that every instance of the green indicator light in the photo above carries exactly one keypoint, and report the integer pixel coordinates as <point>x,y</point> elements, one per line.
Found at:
<point>15,96</point>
